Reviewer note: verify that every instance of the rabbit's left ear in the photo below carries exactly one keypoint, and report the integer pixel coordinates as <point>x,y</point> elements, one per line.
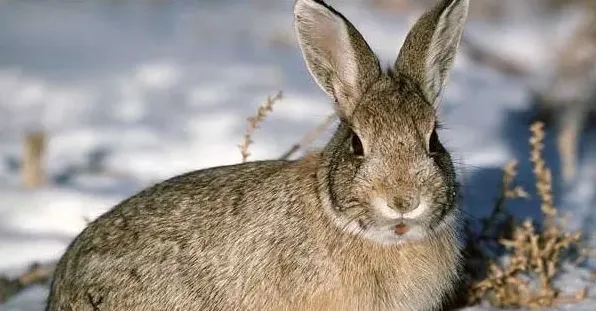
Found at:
<point>429,50</point>
<point>336,54</point>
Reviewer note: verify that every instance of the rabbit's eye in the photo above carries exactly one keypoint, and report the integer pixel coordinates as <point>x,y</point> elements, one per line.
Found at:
<point>434,146</point>
<point>356,146</point>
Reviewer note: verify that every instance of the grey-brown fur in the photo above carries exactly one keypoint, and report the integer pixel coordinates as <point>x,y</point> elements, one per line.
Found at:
<point>313,234</point>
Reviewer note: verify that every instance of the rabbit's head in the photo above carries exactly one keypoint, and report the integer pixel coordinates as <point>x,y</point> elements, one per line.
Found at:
<point>386,175</point>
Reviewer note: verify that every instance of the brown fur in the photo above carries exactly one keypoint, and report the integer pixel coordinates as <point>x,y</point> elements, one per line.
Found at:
<point>296,235</point>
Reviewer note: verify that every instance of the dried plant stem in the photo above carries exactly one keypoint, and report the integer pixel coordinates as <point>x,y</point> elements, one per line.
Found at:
<point>36,274</point>
<point>534,254</point>
<point>542,174</point>
<point>489,59</point>
<point>507,192</point>
<point>254,122</point>
<point>309,137</point>
<point>34,148</point>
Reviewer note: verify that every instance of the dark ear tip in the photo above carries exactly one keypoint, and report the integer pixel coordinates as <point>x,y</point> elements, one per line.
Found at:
<point>319,2</point>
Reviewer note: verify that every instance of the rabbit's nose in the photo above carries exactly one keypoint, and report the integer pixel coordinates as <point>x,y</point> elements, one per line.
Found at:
<point>405,204</point>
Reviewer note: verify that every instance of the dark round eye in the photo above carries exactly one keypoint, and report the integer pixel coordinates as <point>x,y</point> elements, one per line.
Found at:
<point>434,146</point>
<point>356,146</point>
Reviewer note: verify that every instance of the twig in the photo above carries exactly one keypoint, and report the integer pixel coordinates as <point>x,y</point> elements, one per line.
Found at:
<point>492,60</point>
<point>309,137</point>
<point>254,121</point>
<point>507,192</point>
<point>34,149</point>
<point>36,274</point>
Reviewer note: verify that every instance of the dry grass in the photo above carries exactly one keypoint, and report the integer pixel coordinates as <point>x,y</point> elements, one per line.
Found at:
<point>309,137</point>
<point>533,253</point>
<point>32,172</point>
<point>254,122</point>
<point>262,113</point>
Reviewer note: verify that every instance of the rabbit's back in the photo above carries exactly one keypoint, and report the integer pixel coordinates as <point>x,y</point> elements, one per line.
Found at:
<point>194,242</point>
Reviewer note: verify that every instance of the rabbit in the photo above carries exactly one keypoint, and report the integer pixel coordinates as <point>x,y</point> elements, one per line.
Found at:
<point>369,222</point>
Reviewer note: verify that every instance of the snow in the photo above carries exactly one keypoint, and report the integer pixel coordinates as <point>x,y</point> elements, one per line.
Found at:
<point>145,90</point>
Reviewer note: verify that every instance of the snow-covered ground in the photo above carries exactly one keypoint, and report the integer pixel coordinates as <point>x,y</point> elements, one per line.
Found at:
<point>144,90</point>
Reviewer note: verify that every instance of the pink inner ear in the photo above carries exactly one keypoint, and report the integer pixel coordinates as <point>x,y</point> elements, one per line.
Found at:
<point>327,35</point>
<point>324,29</point>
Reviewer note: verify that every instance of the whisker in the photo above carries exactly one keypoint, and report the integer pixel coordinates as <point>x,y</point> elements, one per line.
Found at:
<point>460,165</point>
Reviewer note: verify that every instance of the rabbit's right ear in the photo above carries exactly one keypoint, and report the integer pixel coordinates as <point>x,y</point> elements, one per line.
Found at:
<point>336,54</point>
<point>429,49</point>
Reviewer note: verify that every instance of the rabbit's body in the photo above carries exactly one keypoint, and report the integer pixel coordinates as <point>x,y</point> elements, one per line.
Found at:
<point>281,247</point>
<point>368,223</point>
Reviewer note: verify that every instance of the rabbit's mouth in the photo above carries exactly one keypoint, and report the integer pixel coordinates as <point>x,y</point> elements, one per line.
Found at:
<point>395,232</point>
<point>401,228</point>
<point>393,227</point>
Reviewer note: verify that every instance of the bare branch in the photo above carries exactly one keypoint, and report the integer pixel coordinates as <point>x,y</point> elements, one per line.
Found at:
<point>36,274</point>
<point>487,58</point>
<point>309,137</point>
<point>254,122</point>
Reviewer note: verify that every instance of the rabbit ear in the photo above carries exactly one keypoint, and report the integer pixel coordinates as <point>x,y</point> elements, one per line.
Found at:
<point>336,54</point>
<point>429,49</point>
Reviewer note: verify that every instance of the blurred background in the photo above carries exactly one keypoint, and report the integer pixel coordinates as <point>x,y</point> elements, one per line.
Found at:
<point>100,99</point>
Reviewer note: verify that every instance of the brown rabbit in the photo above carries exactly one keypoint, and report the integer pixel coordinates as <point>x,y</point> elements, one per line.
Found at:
<point>368,223</point>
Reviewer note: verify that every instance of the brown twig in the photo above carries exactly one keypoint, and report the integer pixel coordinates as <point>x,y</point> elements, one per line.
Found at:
<point>309,137</point>
<point>33,153</point>
<point>487,58</point>
<point>255,121</point>
<point>36,274</point>
<point>542,174</point>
